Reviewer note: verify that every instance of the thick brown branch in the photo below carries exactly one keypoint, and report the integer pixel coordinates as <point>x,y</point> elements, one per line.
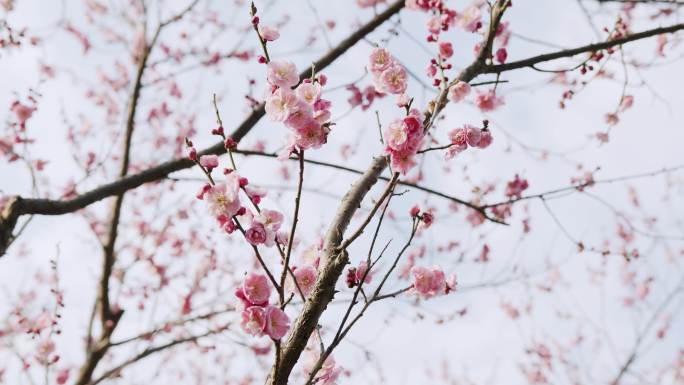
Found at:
<point>334,259</point>
<point>529,62</point>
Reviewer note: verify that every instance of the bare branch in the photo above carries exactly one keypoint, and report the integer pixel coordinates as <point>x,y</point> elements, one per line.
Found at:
<point>530,62</point>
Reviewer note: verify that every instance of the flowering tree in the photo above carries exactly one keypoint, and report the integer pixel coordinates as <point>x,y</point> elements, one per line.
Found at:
<point>347,194</point>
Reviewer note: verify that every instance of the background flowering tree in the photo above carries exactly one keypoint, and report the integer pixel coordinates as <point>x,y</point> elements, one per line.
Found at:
<point>325,192</point>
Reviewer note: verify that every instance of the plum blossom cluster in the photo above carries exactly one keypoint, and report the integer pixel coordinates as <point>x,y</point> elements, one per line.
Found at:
<point>430,281</point>
<point>223,203</point>
<point>258,317</point>
<point>389,77</point>
<point>403,138</point>
<point>468,136</point>
<point>363,98</point>
<point>301,109</point>
<point>515,188</point>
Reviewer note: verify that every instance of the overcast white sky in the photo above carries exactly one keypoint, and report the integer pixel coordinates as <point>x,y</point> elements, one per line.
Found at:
<point>484,345</point>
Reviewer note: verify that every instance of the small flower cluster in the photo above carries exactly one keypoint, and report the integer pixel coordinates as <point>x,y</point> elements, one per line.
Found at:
<point>426,217</point>
<point>515,188</point>
<point>302,109</point>
<point>468,135</point>
<point>363,98</point>
<point>403,138</point>
<point>258,317</point>
<point>430,282</point>
<point>389,77</point>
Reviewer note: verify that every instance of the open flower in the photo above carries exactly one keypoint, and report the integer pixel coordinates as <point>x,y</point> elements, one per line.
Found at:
<point>256,289</point>
<point>253,320</point>
<point>222,199</point>
<point>282,73</point>
<point>306,278</point>
<point>268,33</point>
<point>428,282</point>
<point>277,322</point>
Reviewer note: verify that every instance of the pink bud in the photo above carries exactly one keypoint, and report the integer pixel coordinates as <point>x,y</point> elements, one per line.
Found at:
<point>192,153</point>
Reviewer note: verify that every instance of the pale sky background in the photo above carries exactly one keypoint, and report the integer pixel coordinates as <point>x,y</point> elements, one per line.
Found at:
<point>485,345</point>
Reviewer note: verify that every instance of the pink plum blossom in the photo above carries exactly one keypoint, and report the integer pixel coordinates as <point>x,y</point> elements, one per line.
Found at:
<point>488,101</point>
<point>379,60</point>
<point>458,91</point>
<point>300,114</point>
<point>472,134</point>
<point>277,322</point>
<point>256,289</point>
<point>223,198</point>
<point>268,33</point>
<point>309,92</point>
<point>485,139</point>
<point>393,79</point>
<point>256,234</point>
<point>306,278</point>
<point>253,320</point>
<point>470,19</point>
<point>446,50</point>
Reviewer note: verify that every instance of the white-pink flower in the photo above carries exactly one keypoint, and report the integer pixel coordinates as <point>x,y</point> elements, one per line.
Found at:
<point>268,33</point>
<point>209,161</point>
<point>470,19</point>
<point>393,79</point>
<point>309,92</point>
<point>282,73</point>
<point>379,60</point>
<point>223,198</point>
<point>277,322</point>
<point>459,91</point>
<point>279,104</point>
